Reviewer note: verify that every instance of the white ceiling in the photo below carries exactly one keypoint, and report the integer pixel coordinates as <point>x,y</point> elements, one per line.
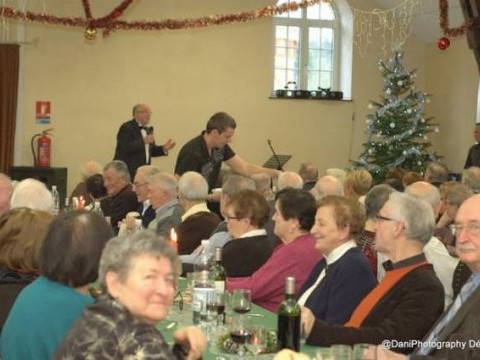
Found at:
<point>426,27</point>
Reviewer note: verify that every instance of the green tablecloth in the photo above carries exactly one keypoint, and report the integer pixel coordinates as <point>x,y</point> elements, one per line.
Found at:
<point>257,316</point>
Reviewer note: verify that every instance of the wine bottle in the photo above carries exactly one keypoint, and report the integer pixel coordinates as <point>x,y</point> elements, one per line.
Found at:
<point>288,329</point>
<point>217,271</point>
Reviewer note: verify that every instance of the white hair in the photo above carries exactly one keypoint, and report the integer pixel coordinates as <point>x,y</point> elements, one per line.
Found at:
<point>32,194</point>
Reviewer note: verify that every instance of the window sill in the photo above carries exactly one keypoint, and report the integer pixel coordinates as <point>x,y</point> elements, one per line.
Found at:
<point>308,98</point>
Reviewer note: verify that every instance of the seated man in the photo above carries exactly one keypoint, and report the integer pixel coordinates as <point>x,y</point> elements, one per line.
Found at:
<point>121,198</point>
<point>408,301</point>
<point>140,187</point>
<point>197,222</point>
<point>459,324</point>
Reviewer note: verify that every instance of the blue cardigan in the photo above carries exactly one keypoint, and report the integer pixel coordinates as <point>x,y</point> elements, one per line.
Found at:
<point>345,284</point>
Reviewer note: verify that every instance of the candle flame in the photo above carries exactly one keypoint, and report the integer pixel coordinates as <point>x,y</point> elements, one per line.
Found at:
<point>173,235</point>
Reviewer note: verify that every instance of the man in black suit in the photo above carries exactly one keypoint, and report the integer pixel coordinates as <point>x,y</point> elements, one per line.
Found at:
<point>473,157</point>
<point>136,143</point>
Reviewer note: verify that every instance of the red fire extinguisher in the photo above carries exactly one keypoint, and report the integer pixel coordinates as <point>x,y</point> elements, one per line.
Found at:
<point>42,156</point>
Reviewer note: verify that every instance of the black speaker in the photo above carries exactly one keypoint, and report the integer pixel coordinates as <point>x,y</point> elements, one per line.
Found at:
<point>49,176</point>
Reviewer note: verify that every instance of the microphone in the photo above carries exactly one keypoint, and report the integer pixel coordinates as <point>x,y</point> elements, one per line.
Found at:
<point>279,163</point>
<point>149,130</point>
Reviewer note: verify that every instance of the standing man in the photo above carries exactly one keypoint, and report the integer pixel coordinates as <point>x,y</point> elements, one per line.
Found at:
<point>136,143</point>
<point>473,157</point>
<point>205,153</point>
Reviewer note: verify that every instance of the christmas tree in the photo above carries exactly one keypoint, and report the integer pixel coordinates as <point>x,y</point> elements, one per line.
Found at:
<point>397,132</point>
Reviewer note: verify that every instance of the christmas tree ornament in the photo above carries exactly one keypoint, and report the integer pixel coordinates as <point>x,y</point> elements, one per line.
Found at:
<point>443,43</point>
<point>90,33</point>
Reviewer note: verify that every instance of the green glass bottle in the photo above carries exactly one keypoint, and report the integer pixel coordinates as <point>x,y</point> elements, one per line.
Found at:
<point>288,328</point>
<point>217,272</point>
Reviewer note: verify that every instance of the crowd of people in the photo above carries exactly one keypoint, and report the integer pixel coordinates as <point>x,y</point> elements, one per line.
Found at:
<point>397,261</point>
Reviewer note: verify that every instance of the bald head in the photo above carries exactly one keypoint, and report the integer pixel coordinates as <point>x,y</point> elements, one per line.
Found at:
<point>468,233</point>
<point>427,192</point>
<point>327,185</point>
<point>289,179</point>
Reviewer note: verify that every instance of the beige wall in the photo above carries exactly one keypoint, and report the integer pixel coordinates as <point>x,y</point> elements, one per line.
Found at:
<point>187,75</point>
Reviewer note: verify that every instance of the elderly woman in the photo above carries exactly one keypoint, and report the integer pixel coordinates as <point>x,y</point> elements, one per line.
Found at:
<point>246,215</point>
<point>332,296</point>
<point>295,256</point>
<point>357,184</point>
<point>21,235</point>
<point>45,310</point>
<point>138,274</point>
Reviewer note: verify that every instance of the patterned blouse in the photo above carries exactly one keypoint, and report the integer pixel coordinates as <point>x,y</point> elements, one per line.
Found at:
<point>107,330</point>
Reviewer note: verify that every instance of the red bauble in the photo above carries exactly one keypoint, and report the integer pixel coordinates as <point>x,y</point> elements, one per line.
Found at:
<point>443,43</point>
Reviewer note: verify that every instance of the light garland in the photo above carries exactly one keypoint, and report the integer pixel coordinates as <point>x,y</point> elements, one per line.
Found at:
<point>110,22</point>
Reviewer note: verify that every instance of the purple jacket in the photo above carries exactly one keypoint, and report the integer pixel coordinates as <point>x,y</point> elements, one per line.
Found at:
<point>268,283</point>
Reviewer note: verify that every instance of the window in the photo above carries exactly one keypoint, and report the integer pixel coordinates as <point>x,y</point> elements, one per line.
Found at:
<point>306,48</point>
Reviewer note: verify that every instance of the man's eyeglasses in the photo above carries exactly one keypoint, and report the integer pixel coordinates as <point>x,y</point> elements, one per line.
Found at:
<point>471,228</point>
<point>379,217</point>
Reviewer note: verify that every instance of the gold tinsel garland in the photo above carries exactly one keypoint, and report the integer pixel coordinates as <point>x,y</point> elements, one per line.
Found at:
<point>110,22</point>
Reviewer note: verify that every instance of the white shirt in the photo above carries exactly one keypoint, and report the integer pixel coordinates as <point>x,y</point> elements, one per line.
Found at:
<point>195,209</point>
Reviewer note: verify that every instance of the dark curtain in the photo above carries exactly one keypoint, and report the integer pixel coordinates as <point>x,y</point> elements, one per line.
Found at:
<point>9,66</point>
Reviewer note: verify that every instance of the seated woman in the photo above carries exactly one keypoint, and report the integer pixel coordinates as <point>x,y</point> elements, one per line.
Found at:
<point>21,234</point>
<point>333,295</point>
<point>138,273</point>
<point>45,310</point>
<point>246,214</point>
<point>295,256</point>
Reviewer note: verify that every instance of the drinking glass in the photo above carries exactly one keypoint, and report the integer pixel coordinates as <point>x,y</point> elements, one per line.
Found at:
<point>241,301</point>
<point>364,352</point>
<point>257,342</point>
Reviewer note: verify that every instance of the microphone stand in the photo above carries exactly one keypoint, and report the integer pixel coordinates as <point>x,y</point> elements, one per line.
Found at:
<point>279,167</point>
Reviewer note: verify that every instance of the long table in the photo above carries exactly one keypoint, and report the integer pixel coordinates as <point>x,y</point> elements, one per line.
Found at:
<point>258,316</point>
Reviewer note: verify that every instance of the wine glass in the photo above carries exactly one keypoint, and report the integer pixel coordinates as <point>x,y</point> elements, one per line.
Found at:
<point>240,333</point>
<point>241,301</point>
<point>257,342</point>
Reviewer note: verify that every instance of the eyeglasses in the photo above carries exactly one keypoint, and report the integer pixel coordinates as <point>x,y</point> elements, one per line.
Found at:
<point>138,184</point>
<point>472,228</point>
<point>379,217</point>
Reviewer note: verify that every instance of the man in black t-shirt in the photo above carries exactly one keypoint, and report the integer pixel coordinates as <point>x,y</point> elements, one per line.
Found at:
<point>206,152</point>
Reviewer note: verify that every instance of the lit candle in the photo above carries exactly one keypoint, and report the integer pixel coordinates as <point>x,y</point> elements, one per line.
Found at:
<point>173,239</point>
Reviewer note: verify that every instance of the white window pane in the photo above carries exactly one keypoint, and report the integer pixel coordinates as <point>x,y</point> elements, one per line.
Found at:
<point>293,36</point>
<point>293,56</point>
<point>280,79</point>
<point>326,60</point>
<point>314,38</point>
<point>292,75</point>
<point>313,12</point>
<point>325,79</point>
<point>313,59</point>
<point>313,80</point>
<point>327,38</point>
<point>326,11</point>
<point>280,35</point>
<point>280,58</point>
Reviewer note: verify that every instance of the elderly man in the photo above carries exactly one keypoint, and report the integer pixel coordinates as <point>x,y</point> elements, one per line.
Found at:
<point>33,194</point>
<point>206,152</point>
<point>140,187</point>
<point>327,185</point>
<point>6,189</point>
<point>458,326</point>
<point>162,193</point>
<point>136,143</point>
<point>407,302</point>
<point>121,199</point>
<point>471,178</point>
<point>473,156</point>
<point>289,179</point>
<point>436,173</point>
<point>88,169</point>
<point>197,222</point>
<point>309,174</point>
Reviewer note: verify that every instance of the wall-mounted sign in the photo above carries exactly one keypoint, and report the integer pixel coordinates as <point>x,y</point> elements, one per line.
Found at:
<point>42,112</point>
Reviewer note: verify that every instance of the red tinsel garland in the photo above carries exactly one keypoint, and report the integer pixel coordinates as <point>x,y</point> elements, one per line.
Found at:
<point>110,23</point>
<point>445,23</point>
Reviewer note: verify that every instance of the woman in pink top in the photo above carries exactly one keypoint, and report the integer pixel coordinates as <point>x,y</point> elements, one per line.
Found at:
<point>295,256</point>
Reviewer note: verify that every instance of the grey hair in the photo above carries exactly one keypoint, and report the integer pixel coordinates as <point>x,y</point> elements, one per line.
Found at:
<point>471,178</point>
<point>416,214</point>
<point>164,181</point>
<point>234,183</point>
<point>458,193</point>
<point>425,191</point>
<point>119,252</point>
<point>327,185</point>
<point>376,197</point>
<point>33,194</point>
<point>289,179</point>
<point>193,186</point>
<point>436,172</point>
<point>120,168</point>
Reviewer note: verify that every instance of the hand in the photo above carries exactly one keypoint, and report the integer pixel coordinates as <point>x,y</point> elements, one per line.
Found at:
<point>170,144</point>
<point>307,320</point>
<point>274,173</point>
<point>149,139</point>
<point>192,337</point>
